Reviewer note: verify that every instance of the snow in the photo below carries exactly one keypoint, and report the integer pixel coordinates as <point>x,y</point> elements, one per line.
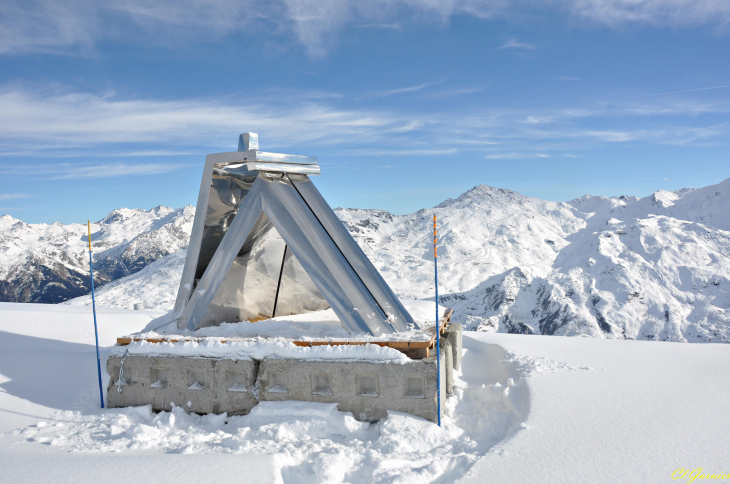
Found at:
<point>259,348</point>
<point>50,263</point>
<point>652,268</point>
<point>270,336</point>
<point>642,411</point>
<point>155,286</point>
<point>526,409</point>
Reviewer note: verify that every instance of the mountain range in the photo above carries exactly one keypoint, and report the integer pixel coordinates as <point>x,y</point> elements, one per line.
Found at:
<point>45,263</point>
<point>651,268</point>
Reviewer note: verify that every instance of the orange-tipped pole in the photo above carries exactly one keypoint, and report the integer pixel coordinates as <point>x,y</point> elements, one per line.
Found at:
<point>438,330</point>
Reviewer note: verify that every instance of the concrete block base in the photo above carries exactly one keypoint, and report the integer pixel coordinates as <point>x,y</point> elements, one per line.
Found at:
<point>453,334</point>
<point>368,389</point>
<point>200,385</point>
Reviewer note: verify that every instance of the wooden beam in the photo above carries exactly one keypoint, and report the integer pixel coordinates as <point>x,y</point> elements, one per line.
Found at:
<point>413,349</point>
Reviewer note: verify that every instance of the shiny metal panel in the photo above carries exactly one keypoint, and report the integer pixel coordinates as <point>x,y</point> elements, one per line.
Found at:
<point>225,182</point>
<point>283,167</point>
<point>368,274</point>
<point>282,158</point>
<point>309,243</point>
<point>217,268</point>
<point>265,243</point>
<point>297,292</point>
<point>262,156</point>
<point>229,185</point>
<point>196,239</point>
<point>322,260</point>
<point>248,290</point>
<point>248,141</point>
<point>262,281</point>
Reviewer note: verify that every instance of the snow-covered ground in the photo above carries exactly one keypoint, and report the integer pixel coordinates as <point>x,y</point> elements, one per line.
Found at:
<point>526,409</point>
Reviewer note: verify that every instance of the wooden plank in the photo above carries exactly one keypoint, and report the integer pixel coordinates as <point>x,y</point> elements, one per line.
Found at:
<point>362,343</point>
<point>414,353</point>
<point>442,326</point>
<point>419,344</point>
<point>398,344</point>
<point>413,349</point>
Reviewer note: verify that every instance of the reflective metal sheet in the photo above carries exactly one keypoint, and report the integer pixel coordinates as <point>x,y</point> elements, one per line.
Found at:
<point>371,278</point>
<point>248,141</point>
<point>309,242</point>
<point>264,280</point>
<point>264,157</point>
<point>321,259</point>
<point>229,185</point>
<point>248,211</point>
<point>196,239</point>
<point>283,158</point>
<point>283,167</point>
<point>248,290</point>
<point>228,249</point>
<point>297,292</point>
<point>225,182</point>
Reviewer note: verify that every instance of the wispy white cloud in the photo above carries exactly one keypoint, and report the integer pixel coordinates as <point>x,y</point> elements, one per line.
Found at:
<point>13,196</point>
<point>388,26</point>
<point>402,90</point>
<point>413,152</point>
<point>75,26</point>
<point>538,120</point>
<point>513,43</point>
<point>67,171</point>
<point>515,156</point>
<point>447,93</point>
<point>680,92</point>
<point>84,125</point>
<point>114,170</point>
<point>57,119</point>
<point>675,13</point>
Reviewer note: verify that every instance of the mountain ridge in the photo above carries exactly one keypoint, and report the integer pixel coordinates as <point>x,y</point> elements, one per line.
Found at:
<point>653,268</point>
<point>48,263</point>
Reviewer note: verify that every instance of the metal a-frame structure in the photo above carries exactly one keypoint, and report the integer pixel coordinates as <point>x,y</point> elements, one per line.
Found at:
<point>265,243</point>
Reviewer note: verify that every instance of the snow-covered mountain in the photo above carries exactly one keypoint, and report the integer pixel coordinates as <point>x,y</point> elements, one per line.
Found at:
<point>623,267</point>
<point>641,268</point>
<point>50,263</point>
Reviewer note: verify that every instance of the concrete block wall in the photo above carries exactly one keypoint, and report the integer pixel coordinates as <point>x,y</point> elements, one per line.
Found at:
<point>200,385</point>
<point>368,389</point>
<point>453,334</point>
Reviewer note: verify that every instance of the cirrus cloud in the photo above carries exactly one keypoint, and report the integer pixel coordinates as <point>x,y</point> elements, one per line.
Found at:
<point>75,26</point>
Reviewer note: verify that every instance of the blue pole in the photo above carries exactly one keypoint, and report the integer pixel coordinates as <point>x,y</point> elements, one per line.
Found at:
<point>438,330</point>
<point>93,306</point>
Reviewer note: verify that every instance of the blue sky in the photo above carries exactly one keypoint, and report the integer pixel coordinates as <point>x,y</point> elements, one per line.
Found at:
<point>406,103</point>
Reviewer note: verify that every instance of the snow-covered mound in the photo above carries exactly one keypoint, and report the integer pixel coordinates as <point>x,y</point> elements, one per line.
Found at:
<point>155,286</point>
<point>50,263</point>
<point>652,268</point>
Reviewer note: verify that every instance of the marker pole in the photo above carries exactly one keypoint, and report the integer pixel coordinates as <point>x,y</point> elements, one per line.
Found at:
<point>438,330</point>
<point>93,306</point>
